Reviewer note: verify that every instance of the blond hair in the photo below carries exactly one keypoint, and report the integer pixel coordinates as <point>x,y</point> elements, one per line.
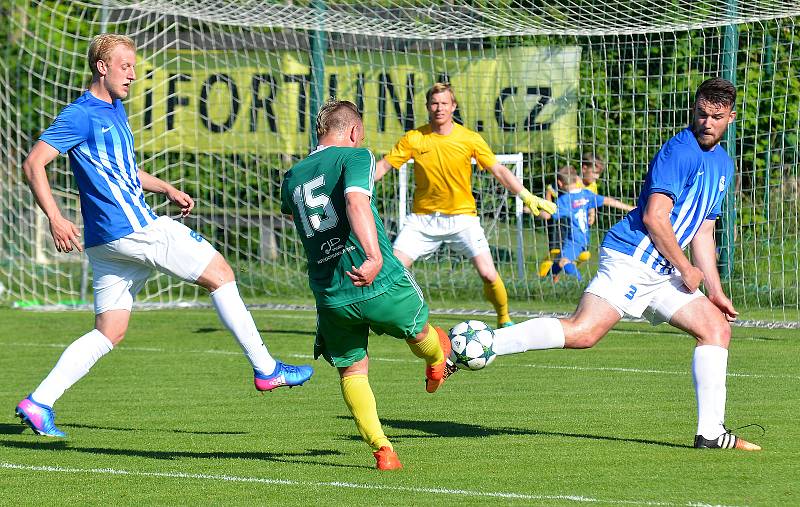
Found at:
<point>440,88</point>
<point>102,45</point>
<point>336,116</point>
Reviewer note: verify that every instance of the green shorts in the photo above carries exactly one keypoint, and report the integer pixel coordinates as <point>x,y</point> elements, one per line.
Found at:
<point>342,331</point>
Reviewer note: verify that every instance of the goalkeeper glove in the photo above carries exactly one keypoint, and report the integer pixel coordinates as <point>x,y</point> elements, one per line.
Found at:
<point>536,204</point>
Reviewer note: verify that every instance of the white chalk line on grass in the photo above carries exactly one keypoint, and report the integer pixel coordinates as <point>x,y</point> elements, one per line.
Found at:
<point>396,360</point>
<point>340,485</point>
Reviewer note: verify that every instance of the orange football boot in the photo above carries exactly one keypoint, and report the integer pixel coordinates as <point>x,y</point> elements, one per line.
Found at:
<point>386,459</point>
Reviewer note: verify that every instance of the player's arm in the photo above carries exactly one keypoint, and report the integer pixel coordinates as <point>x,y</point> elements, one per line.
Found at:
<point>659,228</point>
<point>704,256</point>
<point>506,178</point>
<point>381,168</point>
<point>65,233</point>
<point>179,197</point>
<point>615,203</point>
<point>362,223</point>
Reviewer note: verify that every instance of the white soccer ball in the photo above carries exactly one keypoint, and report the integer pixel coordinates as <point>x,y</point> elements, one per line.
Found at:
<point>471,343</point>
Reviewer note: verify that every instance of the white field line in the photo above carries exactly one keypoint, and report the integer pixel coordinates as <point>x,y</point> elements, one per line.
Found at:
<point>339,485</point>
<point>125,348</point>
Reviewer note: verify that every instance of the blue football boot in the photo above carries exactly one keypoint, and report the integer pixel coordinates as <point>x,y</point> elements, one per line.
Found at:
<point>284,375</point>
<point>40,418</point>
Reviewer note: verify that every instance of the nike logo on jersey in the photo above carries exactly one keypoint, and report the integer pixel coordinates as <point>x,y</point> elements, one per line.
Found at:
<point>424,152</point>
<point>701,173</point>
<point>106,129</point>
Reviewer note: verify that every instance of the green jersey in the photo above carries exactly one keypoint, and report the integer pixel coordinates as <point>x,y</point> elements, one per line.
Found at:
<point>313,192</point>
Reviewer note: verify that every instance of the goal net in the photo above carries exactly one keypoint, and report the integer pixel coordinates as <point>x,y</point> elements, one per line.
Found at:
<point>227,92</point>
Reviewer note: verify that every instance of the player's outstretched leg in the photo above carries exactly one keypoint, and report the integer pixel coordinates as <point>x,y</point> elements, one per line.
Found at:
<point>269,373</point>
<point>40,418</point>
<point>285,375</point>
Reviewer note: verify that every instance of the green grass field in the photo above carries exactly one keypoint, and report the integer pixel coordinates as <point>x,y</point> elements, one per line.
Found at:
<point>171,417</point>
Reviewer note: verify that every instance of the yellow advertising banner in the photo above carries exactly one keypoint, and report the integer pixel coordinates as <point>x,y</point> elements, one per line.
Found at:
<point>519,99</point>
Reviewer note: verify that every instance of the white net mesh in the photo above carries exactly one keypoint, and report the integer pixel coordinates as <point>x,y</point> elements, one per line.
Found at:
<point>227,90</point>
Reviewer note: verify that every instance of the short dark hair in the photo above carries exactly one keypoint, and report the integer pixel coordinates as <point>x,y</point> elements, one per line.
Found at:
<point>717,91</point>
<point>336,115</point>
<point>592,159</point>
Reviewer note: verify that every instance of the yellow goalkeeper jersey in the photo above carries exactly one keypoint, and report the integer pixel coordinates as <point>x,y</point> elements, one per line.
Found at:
<point>443,168</point>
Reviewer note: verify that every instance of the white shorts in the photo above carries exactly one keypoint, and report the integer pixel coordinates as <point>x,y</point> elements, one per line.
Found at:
<point>422,235</point>
<point>121,267</point>
<point>636,290</point>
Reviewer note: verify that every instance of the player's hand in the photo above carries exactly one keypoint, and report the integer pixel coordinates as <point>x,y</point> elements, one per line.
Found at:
<point>365,274</point>
<point>692,278</point>
<point>725,306</point>
<point>182,199</point>
<point>65,234</point>
<point>537,204</point>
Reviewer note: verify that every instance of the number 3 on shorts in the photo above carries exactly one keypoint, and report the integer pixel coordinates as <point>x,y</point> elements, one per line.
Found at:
<point>631,292</point>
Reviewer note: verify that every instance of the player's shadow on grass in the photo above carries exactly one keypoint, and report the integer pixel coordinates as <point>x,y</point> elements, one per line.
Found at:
<point>304,457</point>
<point>11,429</point>
<point>455,429</point>
<point>160,430</point>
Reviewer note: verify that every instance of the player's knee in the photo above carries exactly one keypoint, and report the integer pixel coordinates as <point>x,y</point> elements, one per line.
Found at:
<point>580,336</point>
<point>585,340</point>
<point>216,274</point>
<point>115,337</point>
<point>719,335</point>
<point>488,277</point>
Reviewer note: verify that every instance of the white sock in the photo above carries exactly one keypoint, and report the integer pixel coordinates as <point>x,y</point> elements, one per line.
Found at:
<point>74,363</point>
<point>709,369</point>
<point>534,334</point>
<point>239,321</point>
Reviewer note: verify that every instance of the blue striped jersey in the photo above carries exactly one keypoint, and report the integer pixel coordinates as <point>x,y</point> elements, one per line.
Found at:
<point>695,180</point>
<point>99,141</point>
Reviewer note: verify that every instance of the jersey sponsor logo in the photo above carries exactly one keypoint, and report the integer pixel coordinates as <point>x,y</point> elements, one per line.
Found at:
<point>722,184</point>
<point>330,245</point>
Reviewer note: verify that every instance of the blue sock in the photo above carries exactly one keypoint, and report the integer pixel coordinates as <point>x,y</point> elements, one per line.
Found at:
<point>571,269</point>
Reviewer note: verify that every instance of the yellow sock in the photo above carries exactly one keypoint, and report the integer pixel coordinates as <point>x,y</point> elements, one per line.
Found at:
<point>359,399</point>
<point>496,294</point>
<point>429,349</point>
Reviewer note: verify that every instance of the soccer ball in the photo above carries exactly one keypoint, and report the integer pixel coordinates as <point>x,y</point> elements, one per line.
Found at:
<point>471,343</point>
